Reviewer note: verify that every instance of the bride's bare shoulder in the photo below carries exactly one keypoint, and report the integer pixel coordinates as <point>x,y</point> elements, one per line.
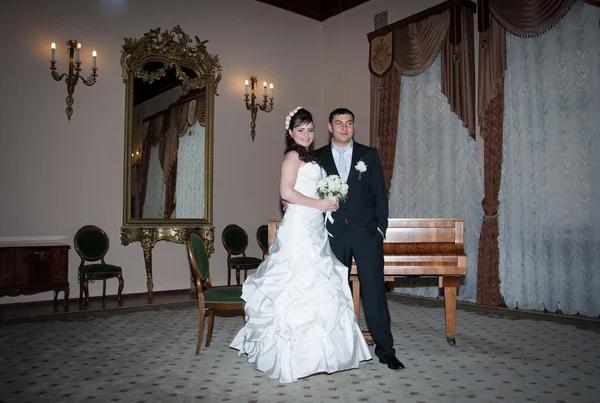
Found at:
<point>292,157</point>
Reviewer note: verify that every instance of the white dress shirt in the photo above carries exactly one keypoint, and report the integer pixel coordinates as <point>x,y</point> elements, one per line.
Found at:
<point>347,158</point>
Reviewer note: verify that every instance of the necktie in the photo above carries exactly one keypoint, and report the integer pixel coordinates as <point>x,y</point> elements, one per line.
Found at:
<point>342,165</point>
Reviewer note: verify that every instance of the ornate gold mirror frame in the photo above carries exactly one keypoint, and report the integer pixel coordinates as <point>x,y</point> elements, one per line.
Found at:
<point>164,65</point>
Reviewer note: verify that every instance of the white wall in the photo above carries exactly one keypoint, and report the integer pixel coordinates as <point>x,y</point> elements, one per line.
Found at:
<point>56,176</point>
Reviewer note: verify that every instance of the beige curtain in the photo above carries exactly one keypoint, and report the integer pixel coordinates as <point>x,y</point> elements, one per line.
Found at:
<point>183,114</point>
<point>447,27</point>
<point>523,18</point>
<point>155,128</point>
<point>164,129</point>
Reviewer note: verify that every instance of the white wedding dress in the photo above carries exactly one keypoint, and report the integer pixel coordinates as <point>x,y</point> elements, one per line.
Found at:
<point>299,314</point>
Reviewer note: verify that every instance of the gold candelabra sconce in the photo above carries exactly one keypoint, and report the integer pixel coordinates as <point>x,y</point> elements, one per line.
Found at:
<point>136,157</point>
<point>72,77</point>
<point>250,98</point>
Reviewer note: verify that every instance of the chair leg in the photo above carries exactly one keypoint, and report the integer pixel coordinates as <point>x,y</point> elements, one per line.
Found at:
<point>200,323</point>
<point>211,320</point>
<point>86,292</point>
<point>120,291</point>
<point>237,276</point>
<point>103,293</point>
<point>228,275</point>
<point>81,293</point>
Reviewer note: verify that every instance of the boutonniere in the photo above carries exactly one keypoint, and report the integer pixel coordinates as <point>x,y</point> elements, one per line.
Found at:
<point>360,167</point>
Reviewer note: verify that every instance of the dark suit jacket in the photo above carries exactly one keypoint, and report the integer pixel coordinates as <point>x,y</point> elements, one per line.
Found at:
<point>367,203</point>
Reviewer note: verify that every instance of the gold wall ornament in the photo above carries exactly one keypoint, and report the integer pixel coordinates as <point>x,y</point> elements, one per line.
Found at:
<point>381,54</point>
<point>154,67</point>
<point>153,59</point>
<point>147,237</point>
<point>72,77</point>
<point>253,107</point>
<point>174,49</point>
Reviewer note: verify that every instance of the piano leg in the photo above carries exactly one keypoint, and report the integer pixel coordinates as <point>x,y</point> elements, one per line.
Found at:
<point>450,285</point>
<point>356,300</point>
<point>356,296</point>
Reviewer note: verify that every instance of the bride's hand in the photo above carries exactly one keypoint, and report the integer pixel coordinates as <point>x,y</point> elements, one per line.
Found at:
<point>331,205</point>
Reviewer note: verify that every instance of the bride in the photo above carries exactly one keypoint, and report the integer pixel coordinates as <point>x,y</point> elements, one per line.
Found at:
<point>299,314</point>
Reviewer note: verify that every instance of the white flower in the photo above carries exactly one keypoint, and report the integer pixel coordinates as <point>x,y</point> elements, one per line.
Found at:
<point>360,167</point>
<point>289,117</point>
<point>332,186</point>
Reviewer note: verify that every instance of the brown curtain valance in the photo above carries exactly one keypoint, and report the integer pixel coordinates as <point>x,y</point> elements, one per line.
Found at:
<point>417,44</point>
<point>523,17</point>
<point>528,18</point>
<point>410,46</point>
<point>185,113</point>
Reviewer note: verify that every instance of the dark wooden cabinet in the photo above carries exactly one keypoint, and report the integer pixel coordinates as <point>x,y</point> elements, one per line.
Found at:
<point>30,268</point>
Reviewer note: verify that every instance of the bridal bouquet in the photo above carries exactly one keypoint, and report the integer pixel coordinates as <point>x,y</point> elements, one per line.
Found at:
<point>332,186</point>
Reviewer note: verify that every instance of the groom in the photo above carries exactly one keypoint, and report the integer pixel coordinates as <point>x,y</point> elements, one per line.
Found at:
<point>360,223</point>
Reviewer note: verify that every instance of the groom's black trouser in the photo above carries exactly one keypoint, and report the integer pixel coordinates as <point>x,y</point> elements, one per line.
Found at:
<point>367,250</point>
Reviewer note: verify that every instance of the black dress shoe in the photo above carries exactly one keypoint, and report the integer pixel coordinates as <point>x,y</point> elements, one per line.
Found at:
<point>393,363</point>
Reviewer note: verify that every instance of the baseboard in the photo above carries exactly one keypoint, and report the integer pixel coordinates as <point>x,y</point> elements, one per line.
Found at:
<point>577,320</point>
<point>36,239</point>
<point>72,298</point>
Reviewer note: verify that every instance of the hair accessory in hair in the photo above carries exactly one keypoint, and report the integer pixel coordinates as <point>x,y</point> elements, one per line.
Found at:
<point>288,118</point>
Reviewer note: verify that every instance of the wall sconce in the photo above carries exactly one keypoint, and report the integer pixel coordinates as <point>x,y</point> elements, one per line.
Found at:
<point>253,107</point>
<point>71,78</point>
<point>136,157</point>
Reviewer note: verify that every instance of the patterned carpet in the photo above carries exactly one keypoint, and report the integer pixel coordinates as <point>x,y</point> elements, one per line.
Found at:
<point>148,356</point>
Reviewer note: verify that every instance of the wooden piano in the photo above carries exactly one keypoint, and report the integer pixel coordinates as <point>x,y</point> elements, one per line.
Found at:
<point>423,247</point>
<point>418,247</point>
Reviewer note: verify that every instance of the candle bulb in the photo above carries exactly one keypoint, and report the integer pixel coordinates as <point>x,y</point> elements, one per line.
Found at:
<point>246,87</point>
<point>271,86</point>
<point>77,52</point>
<point>265,88</point>
<point>53,46</point>
<point>94,59</point>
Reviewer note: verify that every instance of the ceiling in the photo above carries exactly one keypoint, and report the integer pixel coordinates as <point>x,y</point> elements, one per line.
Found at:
<point>319,10</point>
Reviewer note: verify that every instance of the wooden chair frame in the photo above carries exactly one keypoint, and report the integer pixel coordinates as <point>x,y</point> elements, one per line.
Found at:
<point>204,306</point>
<point>238,268</point>
<point>85,278</point>
<point>264,248</point>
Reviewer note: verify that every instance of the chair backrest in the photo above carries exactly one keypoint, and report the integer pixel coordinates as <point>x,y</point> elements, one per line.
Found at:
<point>235,239</point>
<point>198,257</point>
<point>262,237</point>
<point>91,243</point>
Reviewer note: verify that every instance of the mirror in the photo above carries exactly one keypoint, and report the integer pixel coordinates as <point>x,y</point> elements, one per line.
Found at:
<point>171,81</point>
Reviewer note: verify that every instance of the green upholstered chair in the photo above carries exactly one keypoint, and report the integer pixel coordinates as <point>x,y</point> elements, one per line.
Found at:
<point>91,244</point>
<point>262,237</point>
<point>235,241</point>
<point>211,299</point>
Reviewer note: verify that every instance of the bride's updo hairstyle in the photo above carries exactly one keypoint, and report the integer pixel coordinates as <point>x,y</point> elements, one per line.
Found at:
<point>295,118</point>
